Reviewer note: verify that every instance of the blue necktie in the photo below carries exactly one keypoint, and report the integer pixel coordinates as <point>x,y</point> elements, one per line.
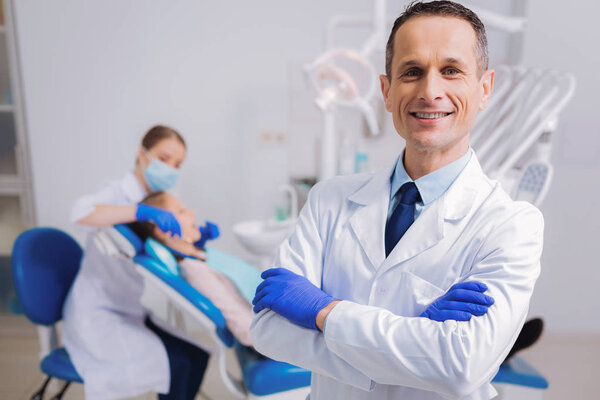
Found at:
<point>402,217</point>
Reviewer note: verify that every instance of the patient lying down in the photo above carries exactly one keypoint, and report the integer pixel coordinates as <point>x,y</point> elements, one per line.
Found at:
<point>212,284</point>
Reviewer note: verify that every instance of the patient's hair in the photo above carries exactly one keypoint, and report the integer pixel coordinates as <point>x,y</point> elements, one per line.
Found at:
<point>441,9</point>
<point>143,229</point>
<point>158,133</point>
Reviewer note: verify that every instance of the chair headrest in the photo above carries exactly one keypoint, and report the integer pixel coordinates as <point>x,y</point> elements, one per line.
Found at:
<point>160,253</point>
<point>131,237</point>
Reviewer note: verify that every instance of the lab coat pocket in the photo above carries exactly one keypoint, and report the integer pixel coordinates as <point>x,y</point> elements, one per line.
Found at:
<point>411,294</point>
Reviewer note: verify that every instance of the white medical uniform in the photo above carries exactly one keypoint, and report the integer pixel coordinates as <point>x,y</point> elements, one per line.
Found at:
<point>104,332</point>
<point>373,347</point>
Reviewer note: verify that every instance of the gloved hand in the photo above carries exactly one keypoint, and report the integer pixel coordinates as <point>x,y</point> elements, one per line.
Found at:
<point>460,303</point>
<point>291,296</point>
<point>208,232</point>
<point>165,220</point>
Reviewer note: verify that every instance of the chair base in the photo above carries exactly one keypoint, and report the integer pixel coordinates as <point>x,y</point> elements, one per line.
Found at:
<point>39,395</point>
<point>59,395</point>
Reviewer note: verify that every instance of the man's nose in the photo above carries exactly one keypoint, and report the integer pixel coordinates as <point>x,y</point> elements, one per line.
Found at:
<point>431,87</point>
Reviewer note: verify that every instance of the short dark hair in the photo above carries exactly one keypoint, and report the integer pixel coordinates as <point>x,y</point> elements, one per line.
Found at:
<point>441,9</point>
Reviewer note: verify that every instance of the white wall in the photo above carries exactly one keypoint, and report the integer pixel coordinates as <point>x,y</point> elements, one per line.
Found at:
<point>97,74</point>
<point>565,36</point>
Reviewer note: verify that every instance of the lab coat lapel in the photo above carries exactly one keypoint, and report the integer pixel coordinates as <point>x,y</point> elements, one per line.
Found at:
<point>368,221</point>
<point>429,228</point>
<point>425,232</point>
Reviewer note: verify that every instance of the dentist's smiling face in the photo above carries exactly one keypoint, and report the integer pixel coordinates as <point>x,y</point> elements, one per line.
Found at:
<point>436,88</point>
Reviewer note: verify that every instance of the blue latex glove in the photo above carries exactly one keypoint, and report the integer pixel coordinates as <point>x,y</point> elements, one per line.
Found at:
<point>460,303</point>
<point>291,296</point>
<point>165,220</point>
<point>208,232</point>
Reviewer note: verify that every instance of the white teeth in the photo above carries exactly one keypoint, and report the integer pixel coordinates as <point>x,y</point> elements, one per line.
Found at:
<point>430,115</point>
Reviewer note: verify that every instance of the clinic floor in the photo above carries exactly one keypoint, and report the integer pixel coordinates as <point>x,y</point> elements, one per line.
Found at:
<point>570,362</point>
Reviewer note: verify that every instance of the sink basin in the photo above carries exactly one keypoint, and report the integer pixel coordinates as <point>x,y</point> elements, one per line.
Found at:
<point>262,237</point>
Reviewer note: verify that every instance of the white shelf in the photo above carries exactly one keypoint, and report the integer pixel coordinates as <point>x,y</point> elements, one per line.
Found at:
<point>7,108</point>
<point>12,184</point>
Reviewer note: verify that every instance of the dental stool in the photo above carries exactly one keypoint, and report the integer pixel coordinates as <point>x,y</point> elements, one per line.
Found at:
<point>45,262</point>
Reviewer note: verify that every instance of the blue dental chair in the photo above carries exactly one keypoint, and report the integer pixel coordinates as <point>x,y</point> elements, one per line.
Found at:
<point>45,262</point>
<point>262,378</point>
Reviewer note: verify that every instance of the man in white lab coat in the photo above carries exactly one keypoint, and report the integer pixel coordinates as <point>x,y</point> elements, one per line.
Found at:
<point>372,252</point>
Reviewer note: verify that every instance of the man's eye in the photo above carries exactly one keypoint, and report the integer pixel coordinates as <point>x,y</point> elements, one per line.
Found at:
<point>451,71</point>
<point>412,73</point>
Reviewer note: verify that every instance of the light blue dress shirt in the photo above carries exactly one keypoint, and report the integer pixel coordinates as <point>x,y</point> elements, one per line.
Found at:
<point>431,186</point>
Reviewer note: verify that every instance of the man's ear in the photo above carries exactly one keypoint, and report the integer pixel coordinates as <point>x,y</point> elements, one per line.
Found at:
<point>487,82</point>
<point>385,90</point>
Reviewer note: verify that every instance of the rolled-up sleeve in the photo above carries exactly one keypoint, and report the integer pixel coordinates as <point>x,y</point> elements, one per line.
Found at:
<point>86,204</point>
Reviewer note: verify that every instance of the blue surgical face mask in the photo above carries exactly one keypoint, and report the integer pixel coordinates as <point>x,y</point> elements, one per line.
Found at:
<point>159,175</point>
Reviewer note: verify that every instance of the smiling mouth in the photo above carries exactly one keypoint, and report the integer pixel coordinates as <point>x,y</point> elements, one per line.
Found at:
<point>424,115</point>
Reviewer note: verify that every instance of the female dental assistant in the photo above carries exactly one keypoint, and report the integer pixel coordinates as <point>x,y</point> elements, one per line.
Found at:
<point>157,167</point>
<point>114,346</point>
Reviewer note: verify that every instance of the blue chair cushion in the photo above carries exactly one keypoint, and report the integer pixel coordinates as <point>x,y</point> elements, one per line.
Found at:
<point>58,364</point>
<point>264,376</point>
<point>517,371</point>
<point>243,274</point>
<point>159,252</point>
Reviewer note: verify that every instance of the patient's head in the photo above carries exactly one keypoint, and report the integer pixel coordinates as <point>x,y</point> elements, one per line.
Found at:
<point>185,216</point>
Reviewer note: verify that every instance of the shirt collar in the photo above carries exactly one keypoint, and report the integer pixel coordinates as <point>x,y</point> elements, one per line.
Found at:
<point>432,185</point>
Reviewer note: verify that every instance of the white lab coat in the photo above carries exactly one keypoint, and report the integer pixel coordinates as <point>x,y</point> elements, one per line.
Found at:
<point>373,347</point>
<point>104,332</point>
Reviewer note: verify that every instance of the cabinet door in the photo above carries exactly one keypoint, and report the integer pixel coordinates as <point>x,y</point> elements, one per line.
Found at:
<point>11,221</point>
<point>8,145</point>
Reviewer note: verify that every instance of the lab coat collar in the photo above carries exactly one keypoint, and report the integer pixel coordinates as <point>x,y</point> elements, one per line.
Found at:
<point>133,189</point>
<point>463,193</point>
<point>368,222</point>
<point>371,191</point>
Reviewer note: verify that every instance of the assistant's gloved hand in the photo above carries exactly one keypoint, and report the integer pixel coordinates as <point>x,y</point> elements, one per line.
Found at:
<point>208,232</point>
<point>291,296</point>
<point>460,303</point>
<point>165,220</point>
